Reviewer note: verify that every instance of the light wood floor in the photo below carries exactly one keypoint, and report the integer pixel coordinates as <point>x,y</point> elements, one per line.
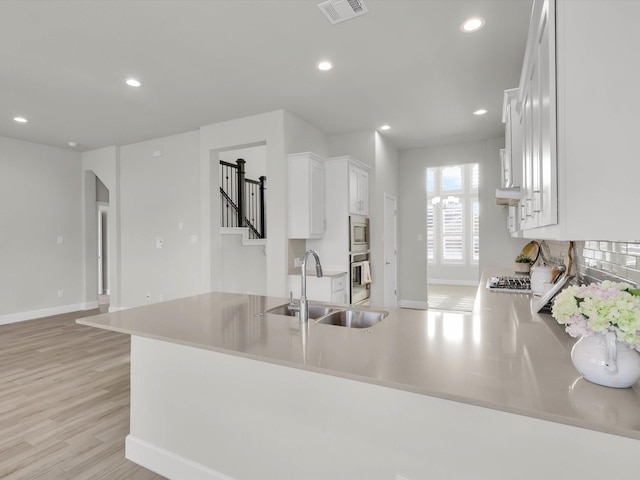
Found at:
<point>64,402</point>
<point>458,298</point>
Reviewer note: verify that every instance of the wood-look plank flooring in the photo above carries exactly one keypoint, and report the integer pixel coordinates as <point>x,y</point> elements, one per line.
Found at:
<point>64,402</point>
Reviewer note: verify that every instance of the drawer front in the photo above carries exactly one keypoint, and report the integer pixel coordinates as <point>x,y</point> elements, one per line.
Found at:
<point>338,283</point>
<point>339,297</point>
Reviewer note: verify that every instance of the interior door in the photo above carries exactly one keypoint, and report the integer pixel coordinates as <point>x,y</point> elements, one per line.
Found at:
<point>390,252</point>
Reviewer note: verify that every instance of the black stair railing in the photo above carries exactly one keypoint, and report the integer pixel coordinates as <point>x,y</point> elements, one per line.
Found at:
<point>242,199</point>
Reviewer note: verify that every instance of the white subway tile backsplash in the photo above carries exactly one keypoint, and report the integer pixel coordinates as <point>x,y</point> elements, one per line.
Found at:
<point>633,249</point>
<point>619,247</point>
<point>595,261</point>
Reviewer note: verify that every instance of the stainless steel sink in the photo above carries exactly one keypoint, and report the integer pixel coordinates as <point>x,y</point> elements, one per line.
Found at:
<point>315,311</point>
<point>353,318</point>
<point>335,315</point>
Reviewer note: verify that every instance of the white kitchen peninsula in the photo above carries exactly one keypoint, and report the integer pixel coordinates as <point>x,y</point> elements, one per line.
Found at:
<point>220,390</point>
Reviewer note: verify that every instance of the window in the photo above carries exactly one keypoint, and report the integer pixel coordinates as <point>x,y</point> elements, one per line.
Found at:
<point>453,212</point>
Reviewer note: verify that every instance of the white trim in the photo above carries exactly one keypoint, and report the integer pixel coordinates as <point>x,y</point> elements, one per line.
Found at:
<point>46,312</point>
<point>414,304</point>
<point>166,463</point>
<point>244,231</point>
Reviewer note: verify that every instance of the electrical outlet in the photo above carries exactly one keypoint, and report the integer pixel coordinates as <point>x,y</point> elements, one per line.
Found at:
<point>60,293</point>
<point>158,242</point>
<point>60,240</point>
<point>297,262</point>
<point>148,296</point>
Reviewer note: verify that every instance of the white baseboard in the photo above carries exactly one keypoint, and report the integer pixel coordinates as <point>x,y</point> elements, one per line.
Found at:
<point>414,304</point>
<point>46,312</point>
<point>166,463</point>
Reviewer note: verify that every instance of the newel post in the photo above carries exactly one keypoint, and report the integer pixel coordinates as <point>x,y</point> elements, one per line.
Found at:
<point>263,207</point>
<point>241,195</point>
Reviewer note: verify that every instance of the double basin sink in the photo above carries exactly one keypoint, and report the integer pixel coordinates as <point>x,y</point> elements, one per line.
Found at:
<point>335,315</point>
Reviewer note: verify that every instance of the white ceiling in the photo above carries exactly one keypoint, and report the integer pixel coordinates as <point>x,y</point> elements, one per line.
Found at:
<point>405,63</point>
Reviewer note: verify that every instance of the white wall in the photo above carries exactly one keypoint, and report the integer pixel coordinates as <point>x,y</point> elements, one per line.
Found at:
<point>383,158</point>
<point>266,129</point>
<point>301,136</point>
<point>386,181</point>
<point>360,145</point>
<point>497,248</point>
<point>41,201</point>
<point>103,163</point>
<point>255,157</point>
<point>243,268</point>
<point>160,198</point>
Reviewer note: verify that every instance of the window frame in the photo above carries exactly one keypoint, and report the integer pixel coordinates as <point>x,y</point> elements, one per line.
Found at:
<point>468,195</point>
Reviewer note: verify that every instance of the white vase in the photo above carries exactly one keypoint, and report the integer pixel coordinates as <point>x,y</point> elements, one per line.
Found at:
<point>601,359</point>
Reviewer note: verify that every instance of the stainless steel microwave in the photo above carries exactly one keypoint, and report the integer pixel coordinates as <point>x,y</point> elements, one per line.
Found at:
<point>358,233</point>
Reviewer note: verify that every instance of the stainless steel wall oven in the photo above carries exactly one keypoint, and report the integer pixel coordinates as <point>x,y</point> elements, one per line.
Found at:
<point>360,278</point>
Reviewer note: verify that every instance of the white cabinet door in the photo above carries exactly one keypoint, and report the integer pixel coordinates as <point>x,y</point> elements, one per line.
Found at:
<point>354,198</point>
<point>511,154</point>
<point>358,191</point>
<point>363,189</point>
<point>306,195</point>
<point>539,205</point>
<point>546,197</point>
<point>316,202</point>
<point>578,102</point>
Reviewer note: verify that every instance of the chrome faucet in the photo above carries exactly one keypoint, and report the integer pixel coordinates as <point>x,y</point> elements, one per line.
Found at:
<point>304,306</point>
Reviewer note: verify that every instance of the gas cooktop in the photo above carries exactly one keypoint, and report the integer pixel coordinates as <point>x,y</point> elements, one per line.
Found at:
<point>510,284</point>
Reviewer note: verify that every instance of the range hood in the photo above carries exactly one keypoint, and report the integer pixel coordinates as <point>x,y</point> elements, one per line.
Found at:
<point>508,196</point>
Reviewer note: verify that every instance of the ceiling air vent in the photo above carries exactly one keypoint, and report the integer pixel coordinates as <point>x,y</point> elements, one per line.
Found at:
<point>340,10</point>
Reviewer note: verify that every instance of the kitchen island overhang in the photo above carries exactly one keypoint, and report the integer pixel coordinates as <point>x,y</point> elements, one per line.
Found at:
<point>202,403</point>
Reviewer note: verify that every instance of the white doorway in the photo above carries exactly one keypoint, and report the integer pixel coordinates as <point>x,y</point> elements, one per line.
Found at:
<point>103,249</point>
<point>390,251</point>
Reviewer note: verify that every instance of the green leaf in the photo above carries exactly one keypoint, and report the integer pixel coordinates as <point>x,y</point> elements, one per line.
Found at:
<point>634,291</point>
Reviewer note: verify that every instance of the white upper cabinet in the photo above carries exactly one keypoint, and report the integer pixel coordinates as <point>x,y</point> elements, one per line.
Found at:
<point>511,159</point>
<point>511,155</point>
<point>579,103</point>
<point>306,195</point>
<point>358,190</point>
<point>539,205</point>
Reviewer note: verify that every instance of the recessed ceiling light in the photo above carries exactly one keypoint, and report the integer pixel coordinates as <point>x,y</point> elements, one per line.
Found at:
<point>20,119</point>
<point>72,144</point>
<point>132,82</point>
<point>324,66</point>
<point>472,24</point>
<point>481,111</point>
<point>385,127</point>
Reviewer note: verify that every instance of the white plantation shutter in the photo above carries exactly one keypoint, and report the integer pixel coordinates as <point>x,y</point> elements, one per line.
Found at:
<point>453,229</point>
<point>431,253</point>
<point>453,233</point>
<point>475,229</point>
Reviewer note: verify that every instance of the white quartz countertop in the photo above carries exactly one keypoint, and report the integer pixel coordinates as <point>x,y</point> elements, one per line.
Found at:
<point>500,356</point>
